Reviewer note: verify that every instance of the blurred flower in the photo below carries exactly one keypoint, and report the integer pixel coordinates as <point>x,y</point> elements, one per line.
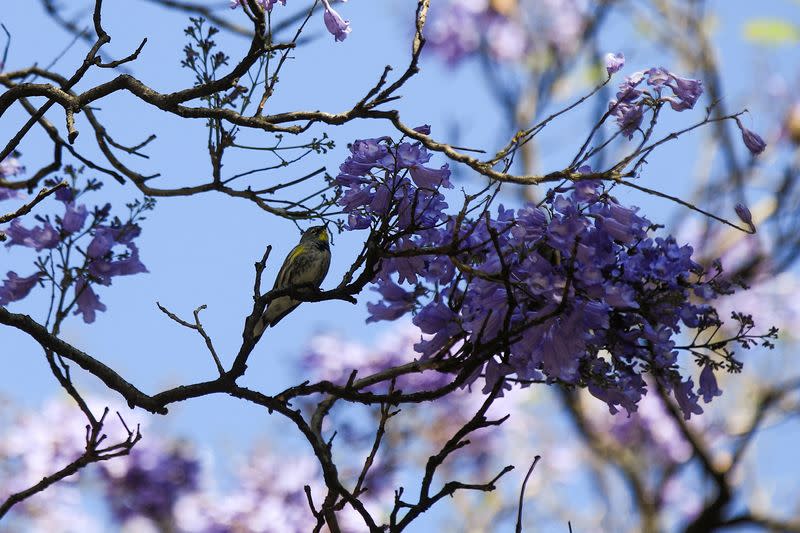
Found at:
<point>650,431</point>
<point>16,288</point>
<point>10,166</point>
<point>686,90</point>
<point>150,481</point>
<point>614,62</point>
<point>504,29</point>
<point>38,442</point>
<point>708,384</point>
<point>455,33</point>
<point>38,237</point>
<point>331,357</point>
<point>6,194</point>
<point>87,301</point>
<point>74,218</point>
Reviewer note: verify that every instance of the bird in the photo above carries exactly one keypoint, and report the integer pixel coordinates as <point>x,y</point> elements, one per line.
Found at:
<point>306,265</point>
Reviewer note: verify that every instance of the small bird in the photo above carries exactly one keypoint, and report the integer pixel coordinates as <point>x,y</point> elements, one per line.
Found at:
<point>306,264</point>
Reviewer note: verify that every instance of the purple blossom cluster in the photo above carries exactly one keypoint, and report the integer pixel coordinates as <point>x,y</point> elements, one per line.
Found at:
<point>266,496</point>
<point>575,290</point>
<point>110,251</point>
<point>651,431</point>
<point>632,100</point>
<point>335,24</point>
<point>150,481</point>
<point>505,30</point>
<point>34,443</point>
<point>163,485</point>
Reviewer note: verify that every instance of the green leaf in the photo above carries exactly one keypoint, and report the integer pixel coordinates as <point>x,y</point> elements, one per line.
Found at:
<point>771,32</point>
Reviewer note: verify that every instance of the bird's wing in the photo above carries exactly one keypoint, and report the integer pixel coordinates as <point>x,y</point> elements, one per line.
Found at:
<point>279,307</point>
<point>325,266</point>
<point>283,279</point>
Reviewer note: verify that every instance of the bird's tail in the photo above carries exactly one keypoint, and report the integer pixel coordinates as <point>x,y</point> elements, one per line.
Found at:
<point>278,308</point>
<point>260,326</point>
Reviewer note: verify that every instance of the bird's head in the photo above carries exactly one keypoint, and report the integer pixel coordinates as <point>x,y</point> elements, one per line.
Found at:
<point>316,234</point>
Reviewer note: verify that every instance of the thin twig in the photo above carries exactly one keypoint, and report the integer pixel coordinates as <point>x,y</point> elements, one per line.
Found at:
<point>25,209</point>
<point>522,493</point>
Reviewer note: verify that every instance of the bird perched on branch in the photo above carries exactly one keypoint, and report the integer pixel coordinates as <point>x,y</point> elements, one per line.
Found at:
<point>306,265</point>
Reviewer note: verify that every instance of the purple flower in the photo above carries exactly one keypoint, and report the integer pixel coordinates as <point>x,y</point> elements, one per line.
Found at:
<point>103,269</point>
<point>429,178</point>
<point>434,317</point>
<point>337,26</point>
<point>102,242</point>
<point>151,483</point>
<point>38,238</point>
<point>751,139</point>
<point>687,90</point>
<point>7,194</point>
<point>614,62</point>
<point>628,107</point>
<point>105,237</point>
<point>687,399</point>
<point>406,155</point>
<point>657,77</point>
<point>456,33</point>
<point>74,218</point>
<point>708,384</point>
<point>358,221</point>
<point>103,266</point>
<point>628,91</point>
<point>16,288</point>
<point>507,39</point>
<point>87,301</point>
<point>397,302</point>
<point>365,154</point>
<point>629,116</point>
<point>460,29</point>
<point>440,321</point>
<point>425,129</point>
<point>65,194</point>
